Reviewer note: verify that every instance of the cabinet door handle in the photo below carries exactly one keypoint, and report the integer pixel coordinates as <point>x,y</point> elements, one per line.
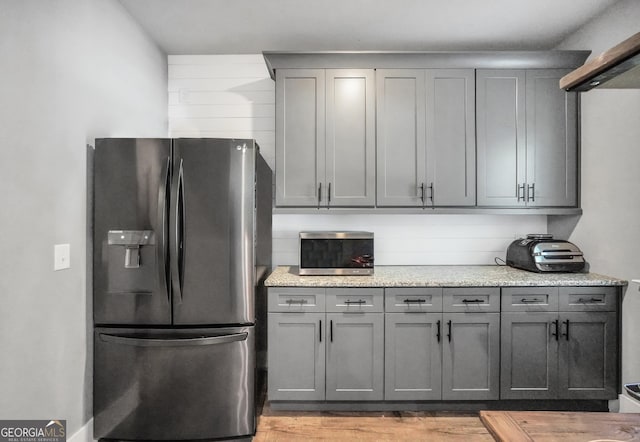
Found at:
<point>555,332</point>
<point>438,330</point>
<point>431,193</point>
<point>531,196</point>
<point>320,330</point>
<point>421,187</point>
<point>329,194</point>
<point>589,301</point>
<point>449,333</point>
<point>319,194</point>
<point>518,189</point>
<point>331,330</point>
<point>473,301</point>
<point>566,333</point>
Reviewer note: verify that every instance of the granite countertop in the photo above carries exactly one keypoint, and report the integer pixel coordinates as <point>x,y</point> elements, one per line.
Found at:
<point>441,276</point>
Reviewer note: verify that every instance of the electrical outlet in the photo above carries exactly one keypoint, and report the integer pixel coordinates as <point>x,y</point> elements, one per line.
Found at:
<point>61,256</point>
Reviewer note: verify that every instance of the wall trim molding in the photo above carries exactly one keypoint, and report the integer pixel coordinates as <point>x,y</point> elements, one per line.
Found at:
<point>84,434</point>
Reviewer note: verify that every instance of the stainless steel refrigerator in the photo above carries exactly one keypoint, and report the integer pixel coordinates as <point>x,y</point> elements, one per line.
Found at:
<point>182,241</point>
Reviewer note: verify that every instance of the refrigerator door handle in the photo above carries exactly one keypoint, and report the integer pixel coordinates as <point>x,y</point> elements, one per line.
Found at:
<point>173,342</point>
<point>162,223</point>
<point>177,249</point>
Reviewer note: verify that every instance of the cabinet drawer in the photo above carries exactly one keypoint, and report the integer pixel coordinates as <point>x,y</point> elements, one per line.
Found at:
<point>413,299</point>
<point>530,299</point>
<point>587,299</point>
<point>471,299</point>
<point>354,300</point>
<point>296,299</point>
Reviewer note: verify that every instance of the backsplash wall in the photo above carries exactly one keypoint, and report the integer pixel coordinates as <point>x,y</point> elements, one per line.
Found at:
<point>233,96</point>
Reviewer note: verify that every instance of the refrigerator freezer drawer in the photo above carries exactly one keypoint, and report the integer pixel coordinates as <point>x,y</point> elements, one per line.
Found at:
<point>174,384</point>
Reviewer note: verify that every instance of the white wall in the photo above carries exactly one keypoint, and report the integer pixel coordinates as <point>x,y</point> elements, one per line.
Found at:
<point>70,70</point>
<point>233,96</point>
<point>609,230</point>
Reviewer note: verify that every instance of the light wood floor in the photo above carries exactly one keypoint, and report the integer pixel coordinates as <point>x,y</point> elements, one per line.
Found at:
<point>367,426</point>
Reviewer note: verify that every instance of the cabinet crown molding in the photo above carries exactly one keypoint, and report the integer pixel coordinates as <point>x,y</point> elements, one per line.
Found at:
<point>424,60</point>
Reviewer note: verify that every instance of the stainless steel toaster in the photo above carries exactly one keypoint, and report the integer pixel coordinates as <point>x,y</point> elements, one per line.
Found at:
<point>542,253</point>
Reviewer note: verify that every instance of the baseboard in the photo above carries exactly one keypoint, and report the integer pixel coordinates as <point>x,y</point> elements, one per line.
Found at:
<point>84,434</point>
<point>628,405</point>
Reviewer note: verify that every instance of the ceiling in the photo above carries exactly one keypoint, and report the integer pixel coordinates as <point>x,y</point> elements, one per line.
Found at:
<point>253,26</point>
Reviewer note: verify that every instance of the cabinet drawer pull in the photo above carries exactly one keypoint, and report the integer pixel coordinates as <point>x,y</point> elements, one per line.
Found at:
<point>590,300</point>
<point>530,301</point>
<point>358,302</point>
<point>473,301</point>
<point>297,301</point>
<point>438,330</point>
<point>414,301</point>
<point>320,330</point>
<point>449,334</point>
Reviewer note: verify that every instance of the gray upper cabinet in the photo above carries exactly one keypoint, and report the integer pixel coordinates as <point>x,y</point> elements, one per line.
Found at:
<point>425,137</point>
<point>325,137</point>
<point>451,140</point>
<point>527,139</point>
<point>300,152</point>
<point>552,146</point>
<point>401,130</point>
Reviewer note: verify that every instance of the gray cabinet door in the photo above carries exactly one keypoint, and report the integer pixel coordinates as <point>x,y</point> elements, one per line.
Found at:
<point>413,367</point>
<point>552,148</point>
<point>450,137</point>
<point>350,137</point>
<point>529,355</point>
<point>400,125</point>
<point>471,356</point>
<point>355,357</point>
<point>587,356</point>
<point>500,120</point>
<point>300,136</point>
<point>296,356</point>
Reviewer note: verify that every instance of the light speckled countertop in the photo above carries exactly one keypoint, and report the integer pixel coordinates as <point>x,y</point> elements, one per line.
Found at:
<point>441,276</point>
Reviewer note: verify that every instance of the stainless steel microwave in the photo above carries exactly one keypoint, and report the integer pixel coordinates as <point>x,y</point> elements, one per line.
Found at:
<point>336,253</point>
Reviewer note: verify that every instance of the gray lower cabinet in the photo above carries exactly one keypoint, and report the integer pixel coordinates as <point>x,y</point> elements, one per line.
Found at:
<point>435,355</point>
<point>413,359</point>
<point>527,146</point>
<point>355,358</point>
<point>425,151</point>
<point>325,344</point>
<point>559,343</point>
<point>325,137</point>
<point>471,356</point>
<point>296,356</point>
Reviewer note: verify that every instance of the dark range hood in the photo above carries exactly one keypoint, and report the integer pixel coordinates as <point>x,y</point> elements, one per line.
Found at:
<point>617,68</point>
